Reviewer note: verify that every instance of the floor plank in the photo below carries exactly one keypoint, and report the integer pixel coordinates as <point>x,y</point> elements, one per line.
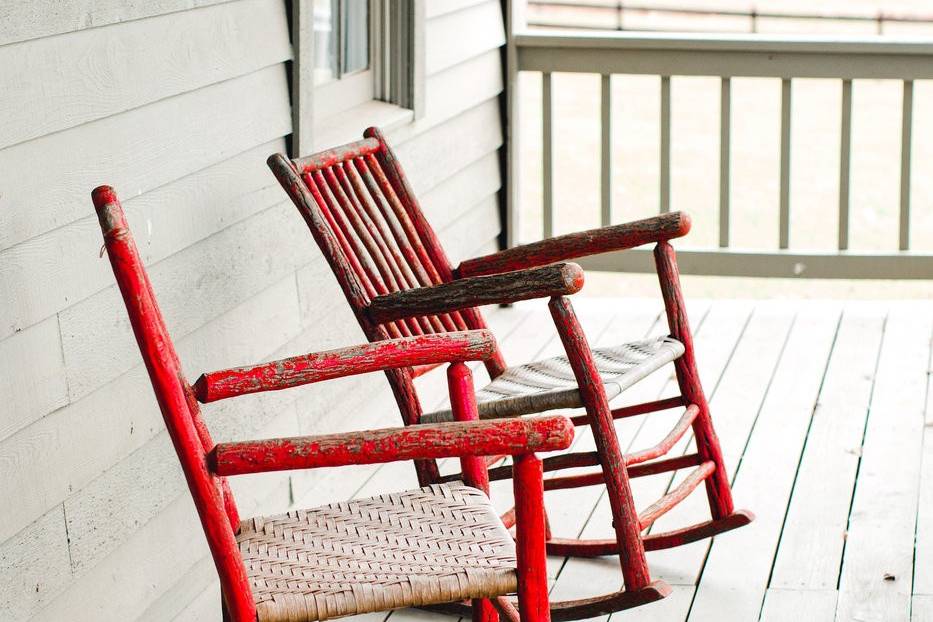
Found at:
<point>923,564</point>
<point>789,605</point>
<point>877,565</point>
<point>824,413</point>
<point>810,550</point>
<point>922,608</point>
<point>737,569</point>
<point>734,408</point>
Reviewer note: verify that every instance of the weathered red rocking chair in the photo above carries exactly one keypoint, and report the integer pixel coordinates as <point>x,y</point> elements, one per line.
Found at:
<point>438,544</point>
<point>395,275</point>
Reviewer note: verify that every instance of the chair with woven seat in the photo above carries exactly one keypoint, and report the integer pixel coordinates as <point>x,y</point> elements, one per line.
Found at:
<point>441,543</point>
<point>398,280</point>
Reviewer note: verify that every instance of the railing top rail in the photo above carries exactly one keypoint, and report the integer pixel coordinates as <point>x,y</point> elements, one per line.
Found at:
<point>725,55</point>
<point>724,42</point>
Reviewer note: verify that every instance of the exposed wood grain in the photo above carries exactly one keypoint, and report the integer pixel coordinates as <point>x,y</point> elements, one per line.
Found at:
<point>580,577</point>
<point>63,81</point>
<point>877,567</point>
<point>316,367</point>
<point>190,436</point>
<point>145,148</point>
<point>46,274</point>
<point>556,280</point>
<point>545,433</point>
<point>716,338</point>
<point>810,552</point>
<point>738,566</point>
<point>581,244</point>
<point>605,327</point>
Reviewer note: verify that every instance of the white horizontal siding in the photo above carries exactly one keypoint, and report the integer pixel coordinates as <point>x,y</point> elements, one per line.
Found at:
<point>29,392</point>
<point>193,287</point>
<point>457,36</point>
<point>27,19</point>
<point>177,105</point>
<point>59,82</point>
<point>137,150</point>
<point>51,272</point>
<point>33,566</point>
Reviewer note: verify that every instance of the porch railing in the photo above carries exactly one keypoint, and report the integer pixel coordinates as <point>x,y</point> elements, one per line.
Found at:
<point>726,57</point>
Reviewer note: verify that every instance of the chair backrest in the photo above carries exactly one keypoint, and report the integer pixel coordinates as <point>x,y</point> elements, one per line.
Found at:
<point>189,434</point>
<point>367,222</point>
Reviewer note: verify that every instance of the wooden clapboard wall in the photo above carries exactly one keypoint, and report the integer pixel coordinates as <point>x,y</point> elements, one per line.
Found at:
<point>177,103</point>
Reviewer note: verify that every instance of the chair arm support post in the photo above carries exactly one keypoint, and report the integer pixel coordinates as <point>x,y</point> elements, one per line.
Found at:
<point>463,406</point>
<point>530,539</point>
<point>418,442</point>
<point>553,280</point>
<point>579,244</point>
<point>624,516</point>
<point>472,345</point>
<point>688,378</point>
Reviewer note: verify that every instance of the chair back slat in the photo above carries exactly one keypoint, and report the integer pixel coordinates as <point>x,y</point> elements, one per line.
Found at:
<point>388,245</point>
<point>187,430</point>
<point>353,249</point>
<point>407,239</point>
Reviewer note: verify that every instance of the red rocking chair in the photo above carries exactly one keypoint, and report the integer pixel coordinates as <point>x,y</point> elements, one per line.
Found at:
<point>367,222</point>
<point>438,544</point>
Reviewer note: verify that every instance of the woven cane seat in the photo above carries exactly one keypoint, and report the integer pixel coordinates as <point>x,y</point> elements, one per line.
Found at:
<point>550,384</point>
<point>434,545</point>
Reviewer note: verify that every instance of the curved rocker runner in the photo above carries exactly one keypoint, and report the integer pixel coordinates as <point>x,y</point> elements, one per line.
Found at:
<point>399,282</point>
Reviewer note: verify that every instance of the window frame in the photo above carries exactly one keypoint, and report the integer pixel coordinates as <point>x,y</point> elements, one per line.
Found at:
<point>395,74</point>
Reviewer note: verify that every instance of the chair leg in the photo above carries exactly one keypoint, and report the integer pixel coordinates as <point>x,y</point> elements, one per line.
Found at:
<point>688,378</point>
<point>463,405</point>
<point>624,516</point>
<point>530,548</point>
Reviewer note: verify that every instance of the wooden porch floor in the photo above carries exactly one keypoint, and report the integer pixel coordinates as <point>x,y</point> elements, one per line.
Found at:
<point>823,412</point>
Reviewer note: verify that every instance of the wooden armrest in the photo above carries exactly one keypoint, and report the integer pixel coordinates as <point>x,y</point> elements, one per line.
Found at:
<point>420,442</point>
<point>471,345</point>
<point>555,280</point>
<point>580,244</point>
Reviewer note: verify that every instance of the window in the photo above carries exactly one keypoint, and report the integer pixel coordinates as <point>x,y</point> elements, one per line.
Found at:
<point>341,38</point>
<point>350,52</point>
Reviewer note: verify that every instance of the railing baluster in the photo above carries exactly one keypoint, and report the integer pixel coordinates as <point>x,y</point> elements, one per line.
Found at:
<point>605,179</point>
<point>725,129</point>
<point>547,172</point>
<point>907,117</point>
<point>784,229</point>
<point>845,152</point>
<point>665,144</point>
